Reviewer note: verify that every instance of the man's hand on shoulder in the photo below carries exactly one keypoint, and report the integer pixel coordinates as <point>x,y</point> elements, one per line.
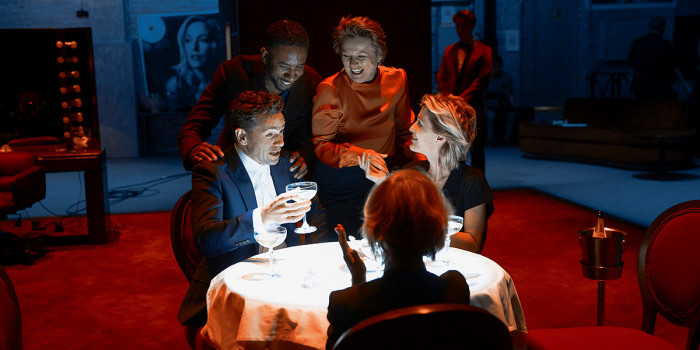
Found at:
<point>298,167</point>
<point>205,152</point>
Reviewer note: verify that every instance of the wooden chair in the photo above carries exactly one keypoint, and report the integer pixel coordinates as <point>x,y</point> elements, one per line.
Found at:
<point>182,237</point>
<point>10,315</point>
<point>668,272</point>
<point>432,326</point>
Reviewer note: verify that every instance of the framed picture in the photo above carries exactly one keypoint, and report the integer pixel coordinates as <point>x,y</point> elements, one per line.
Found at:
<point>179,55</point>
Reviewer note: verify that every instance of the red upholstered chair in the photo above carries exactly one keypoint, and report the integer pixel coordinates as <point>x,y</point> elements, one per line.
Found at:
<point>182,238</point>
<point>10,316</point>
<point>21,182</point>
<point>668,272</point>
<point>36,144</point>
<point>432,326</point>
<point>186,254</point>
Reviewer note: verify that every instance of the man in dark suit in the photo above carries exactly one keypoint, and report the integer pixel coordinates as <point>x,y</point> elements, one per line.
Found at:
<point>241,193</point>
<point>651,58</point>
<point>465,71</point>
<point>280,69</point>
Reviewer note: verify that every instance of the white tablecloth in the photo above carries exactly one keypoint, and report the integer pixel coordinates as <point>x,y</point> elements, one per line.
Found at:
<point>243,307</point>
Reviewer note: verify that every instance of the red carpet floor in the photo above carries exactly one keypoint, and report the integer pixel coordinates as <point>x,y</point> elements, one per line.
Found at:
<point>535,238</point>
<point>122,295</point>
<point>125,295</point>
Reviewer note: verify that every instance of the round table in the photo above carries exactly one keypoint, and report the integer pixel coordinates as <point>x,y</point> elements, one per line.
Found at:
<point>244,306</point>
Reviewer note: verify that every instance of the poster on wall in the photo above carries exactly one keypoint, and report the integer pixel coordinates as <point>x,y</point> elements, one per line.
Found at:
<point>179,55</point>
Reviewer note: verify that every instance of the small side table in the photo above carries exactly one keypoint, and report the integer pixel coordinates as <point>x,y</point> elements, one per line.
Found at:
<point>94,167</point>
<point>663,140</point>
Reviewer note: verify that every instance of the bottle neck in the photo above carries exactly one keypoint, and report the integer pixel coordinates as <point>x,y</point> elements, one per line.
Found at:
<point>599,230</point>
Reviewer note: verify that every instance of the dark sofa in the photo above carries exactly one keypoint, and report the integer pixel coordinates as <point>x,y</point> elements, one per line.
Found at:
<point>623,133</point>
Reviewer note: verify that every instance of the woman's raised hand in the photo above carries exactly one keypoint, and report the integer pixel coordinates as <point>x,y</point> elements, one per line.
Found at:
<point>374,166</point>
<point>352,258</point>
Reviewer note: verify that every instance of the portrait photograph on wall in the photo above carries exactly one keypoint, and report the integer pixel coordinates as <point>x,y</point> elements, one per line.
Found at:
<point>179,55</point>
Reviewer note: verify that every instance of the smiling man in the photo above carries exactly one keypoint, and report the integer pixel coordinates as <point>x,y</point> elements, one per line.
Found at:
<point>242,193</point>
<point>280,69</point>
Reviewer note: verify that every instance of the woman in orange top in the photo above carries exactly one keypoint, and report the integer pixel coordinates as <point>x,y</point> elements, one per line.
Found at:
<point>362,109</point>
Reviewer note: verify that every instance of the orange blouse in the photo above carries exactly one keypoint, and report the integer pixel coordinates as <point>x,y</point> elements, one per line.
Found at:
<point>348,115</point>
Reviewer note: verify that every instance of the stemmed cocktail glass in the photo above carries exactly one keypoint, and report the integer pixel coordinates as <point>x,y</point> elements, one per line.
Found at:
<point>272,237</point>
<point>305,190</point>
<point>454,224</point>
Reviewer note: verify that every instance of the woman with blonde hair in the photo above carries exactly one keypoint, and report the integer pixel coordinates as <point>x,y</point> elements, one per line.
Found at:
<point>443,132</point>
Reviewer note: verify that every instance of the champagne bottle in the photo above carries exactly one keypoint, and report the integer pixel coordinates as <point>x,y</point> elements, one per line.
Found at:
<point>599,230</point>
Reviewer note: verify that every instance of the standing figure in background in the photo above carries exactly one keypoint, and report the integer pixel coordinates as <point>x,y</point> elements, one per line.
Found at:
<point>465,71</point>
<point>196,39</point>
<point>499,104</point>
<point>651,58</point>
<point>280,69</point>
<point>362,109</point>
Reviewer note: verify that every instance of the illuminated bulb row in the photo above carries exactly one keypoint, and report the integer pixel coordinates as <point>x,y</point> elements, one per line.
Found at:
<point>77,131</point>
<point>71,74</point>
<point>76,102</point>
<point>67,89</point>
<point>67,44</point>
<point>66,59</point>
<point>75,117</point>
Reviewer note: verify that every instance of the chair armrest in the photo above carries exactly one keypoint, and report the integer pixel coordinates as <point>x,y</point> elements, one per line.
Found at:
<point>28,187</point>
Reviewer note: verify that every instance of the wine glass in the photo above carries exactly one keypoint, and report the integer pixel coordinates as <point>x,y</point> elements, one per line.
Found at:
<point>376,260</point>
<point>272,237</point>
<point>454,224</point>
<point>305,191</point>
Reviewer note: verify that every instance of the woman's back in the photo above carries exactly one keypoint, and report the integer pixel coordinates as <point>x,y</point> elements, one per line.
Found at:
<point>394,290</point>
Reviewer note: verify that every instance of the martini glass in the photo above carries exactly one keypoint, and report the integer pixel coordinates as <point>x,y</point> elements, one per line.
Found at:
<point>305,191</point>
<point>272,237</point>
